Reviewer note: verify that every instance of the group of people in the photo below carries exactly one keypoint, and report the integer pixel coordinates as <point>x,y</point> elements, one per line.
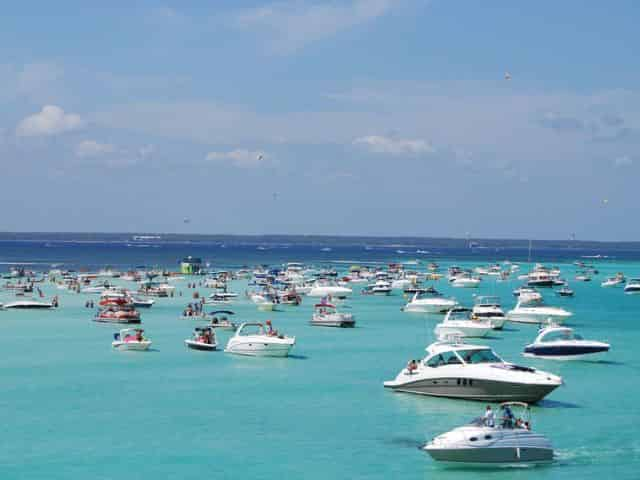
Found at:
<point>193,309</point>
<point>508,419</point>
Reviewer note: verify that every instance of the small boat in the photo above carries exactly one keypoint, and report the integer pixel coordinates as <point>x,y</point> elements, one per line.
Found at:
<point>488,308</point>
<point>253,340</point>
<point>121,314</point>
<point>203,338</point>
<point>459,321</point>
<point>380,287</point>
<point>619,279</point>
<point>220,319</point>
<point>633,287</point>
<point>483,441</point>
<point>561,343</point>
<point>130,339</point>
<point>29,304</point>
<point>465,281</point>
<point>326,315</point>
<point>429,301</point>
<point>142,302</point>
<point>565,292</point>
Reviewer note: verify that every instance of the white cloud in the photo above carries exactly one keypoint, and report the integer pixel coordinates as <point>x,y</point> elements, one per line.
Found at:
<point>624,161</point>
<point>240,158</point>
<point>394,146</point>
<point>91,148</point>
<point>292,25</point>
<point>51,120</point>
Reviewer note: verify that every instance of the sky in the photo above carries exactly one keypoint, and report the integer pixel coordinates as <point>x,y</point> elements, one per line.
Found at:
<point>439,118</point>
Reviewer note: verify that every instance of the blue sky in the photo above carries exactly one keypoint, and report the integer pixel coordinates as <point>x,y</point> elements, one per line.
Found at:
<point>353,117</point>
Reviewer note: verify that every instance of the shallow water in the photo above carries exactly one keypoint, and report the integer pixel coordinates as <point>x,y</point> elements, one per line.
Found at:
<point>71,408</point>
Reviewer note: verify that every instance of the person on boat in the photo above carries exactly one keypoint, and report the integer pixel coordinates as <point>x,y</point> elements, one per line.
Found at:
<point>412,366</point>
<point>139,336</point>
<point>271,332</point>
<point>489,417</point>
<point>507,417</point>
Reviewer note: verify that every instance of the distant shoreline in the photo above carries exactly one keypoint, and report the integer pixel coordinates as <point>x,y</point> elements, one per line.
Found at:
<point>325,240</point>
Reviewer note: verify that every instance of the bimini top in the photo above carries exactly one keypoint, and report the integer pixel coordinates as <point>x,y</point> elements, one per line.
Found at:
<point>487,300</point>
<point>222,312</point>
<point>324,305</point>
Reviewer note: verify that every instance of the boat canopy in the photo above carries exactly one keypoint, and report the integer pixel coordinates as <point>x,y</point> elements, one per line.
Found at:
<point>222,312</point>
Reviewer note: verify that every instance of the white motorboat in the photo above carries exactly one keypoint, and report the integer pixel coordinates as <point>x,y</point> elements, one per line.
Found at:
<point>618,280</point>
<point>540,278</point>
<point>203,338</point>
<point>29,304</point>
<point>488,308</point>
<point>537,312</point>
<point>633,286</point>
<point>130,339</point>
<point>459,321</point>
<point>430,301</point>
<point>380,287</point>
<point>142,302</point>
<point>474,372</point>
<point>252,339</point>
<point>324,288</point>
<point>527,295</point>
<point>326,315</point>
<point>561,343</point>
<point>465,281</point>
<point>509,441</point>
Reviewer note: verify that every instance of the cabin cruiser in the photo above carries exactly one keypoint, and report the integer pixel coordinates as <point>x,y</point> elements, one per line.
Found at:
<point>465,281</point>
<point>323,288</point>
<point>540,278</point>
<point>633,287</point>
<point>527,294</point>
<point>536,312</point>
<point>203,338</point>
<point>583,277</point>
<point>489,308</point>
<point>252,339</point>
<point>565,292</point>
<point>430,301</point>
<point>459,321</point>
<point>381,287</point>
<point>326,315</point>
<point>619,279</point>
<point>561,343</point>
<point>130,339</point>
<point>508,440</point>
<point>474,372</point>
<point>142,302</point>
<point>29,304</point>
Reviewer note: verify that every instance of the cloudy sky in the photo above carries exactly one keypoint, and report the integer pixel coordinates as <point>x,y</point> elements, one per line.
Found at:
<point>391,117</point>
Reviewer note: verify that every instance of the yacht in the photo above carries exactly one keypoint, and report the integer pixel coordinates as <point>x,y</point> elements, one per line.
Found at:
<point>474,372</point>
<point>459,321</point>
<point>487,442</point>
<point>527,294</point>
<point>381,287</point>
<point>540,278</point>
<point>203,338</point>
<point>489,308</point>
<point>633,286</point>
<point>619,279</point>
<point>561,343</point>
<point>326,315</point>
<point>430,301</point>
<point>130,339</point>
<point>252,339</point>
<point>537,312</point>
<point>324,288</point>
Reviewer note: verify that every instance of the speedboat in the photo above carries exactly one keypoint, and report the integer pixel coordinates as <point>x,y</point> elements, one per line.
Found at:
<point>619,279</point>
<point>527,294</point>
<point>326,315</point>
<point>265,302</point>
<point>130,339</point>
<point>203,338</point>
<point>142,302</point>
<point>324,288</point>
<point>537,312</point>
<point>220,319</point>
<point>252,339</point>
<point>29,304</point>
<point>465,281</point>
<point>459,321</point>
<point>430,301</point>
<point>565,292</point>
<point>489,308</point>
<point>381,287</point>
<point>486,442</point>
<point>633,287</point>
<point>473,372</point>
<point>120,314</point>
<point>561,343</point>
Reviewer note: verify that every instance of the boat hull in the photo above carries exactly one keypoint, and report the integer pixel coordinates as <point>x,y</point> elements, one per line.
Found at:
<point>591,352</point>
<point>259,349</point>
<point>491,456</point>
<point>206,347</point>
<point>475,389</point>
<point>131,346</point>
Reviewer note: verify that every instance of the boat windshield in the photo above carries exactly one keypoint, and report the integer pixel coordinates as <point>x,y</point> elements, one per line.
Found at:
<point>484,355</point>
<point>459,315</point>
<point>561,335</point>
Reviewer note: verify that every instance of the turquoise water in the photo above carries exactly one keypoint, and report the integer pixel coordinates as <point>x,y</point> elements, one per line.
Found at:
<point>71,408</point>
